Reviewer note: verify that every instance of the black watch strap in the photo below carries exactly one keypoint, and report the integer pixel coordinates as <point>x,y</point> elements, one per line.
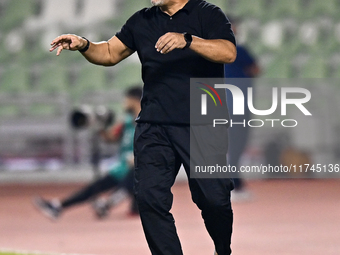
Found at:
<point>86,47</point>
<point>188,39</point>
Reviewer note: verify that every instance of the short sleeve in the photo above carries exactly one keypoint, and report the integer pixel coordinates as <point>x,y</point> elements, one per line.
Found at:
<point>126,34</point>
<point>217,25</point>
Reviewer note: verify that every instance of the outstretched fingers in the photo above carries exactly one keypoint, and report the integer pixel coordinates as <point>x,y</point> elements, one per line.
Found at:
<point>60,43</point>
<point>56,43</point>
<point>60,49</point>
<point>54,47</point>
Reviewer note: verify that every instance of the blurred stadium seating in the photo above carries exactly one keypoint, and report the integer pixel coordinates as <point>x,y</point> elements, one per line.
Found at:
<point>292,38</point>
<point>271,28</point>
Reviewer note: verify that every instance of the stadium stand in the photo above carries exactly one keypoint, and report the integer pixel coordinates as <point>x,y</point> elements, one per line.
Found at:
<point>53,79</point>
<point>314,8</point>
<point>283,9</point>
<point>278,67</point>
<point>90,79</point>
<point>268,25</point>
<point>52,13</point>
<point>94,12</point>
<point>127,74</point>
<point>15,80</point>
<point>15,12</point>
<point>247,8</point>
<point>34,117</point>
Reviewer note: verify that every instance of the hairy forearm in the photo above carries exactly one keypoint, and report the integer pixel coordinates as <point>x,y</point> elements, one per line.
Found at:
<point>219,51</point>
<point>104,53</point>
<point>107,53</point>
<point>99,54</point>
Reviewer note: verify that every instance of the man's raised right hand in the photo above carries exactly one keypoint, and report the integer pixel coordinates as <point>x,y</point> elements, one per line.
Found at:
<point>68,42</point>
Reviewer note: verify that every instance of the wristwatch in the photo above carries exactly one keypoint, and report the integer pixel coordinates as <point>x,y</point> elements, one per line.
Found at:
<point>86,47</point>
<point>188,39</point>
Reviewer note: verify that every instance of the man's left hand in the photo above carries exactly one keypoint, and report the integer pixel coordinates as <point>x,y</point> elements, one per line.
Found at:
<point>169,42</point>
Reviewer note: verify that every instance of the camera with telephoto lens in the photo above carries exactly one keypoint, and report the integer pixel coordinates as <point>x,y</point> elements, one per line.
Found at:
<point>97,118</point>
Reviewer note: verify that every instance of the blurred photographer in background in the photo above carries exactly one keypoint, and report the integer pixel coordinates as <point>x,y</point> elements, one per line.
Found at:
<point>119,177</point>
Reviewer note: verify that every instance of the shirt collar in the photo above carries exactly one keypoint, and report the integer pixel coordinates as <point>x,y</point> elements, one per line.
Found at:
<point>189,6</point>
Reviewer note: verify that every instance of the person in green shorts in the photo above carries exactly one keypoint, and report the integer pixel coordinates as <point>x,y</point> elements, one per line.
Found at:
<point>120,176</point>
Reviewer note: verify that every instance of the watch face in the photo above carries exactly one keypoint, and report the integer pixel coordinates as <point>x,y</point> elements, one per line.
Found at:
<point>188,40</point>
<point>188,37</point>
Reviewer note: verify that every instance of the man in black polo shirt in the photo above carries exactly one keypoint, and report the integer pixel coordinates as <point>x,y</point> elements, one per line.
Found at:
<point>175,40</point>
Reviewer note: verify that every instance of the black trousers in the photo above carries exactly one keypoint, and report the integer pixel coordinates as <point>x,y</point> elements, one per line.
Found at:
<point>159,152</point>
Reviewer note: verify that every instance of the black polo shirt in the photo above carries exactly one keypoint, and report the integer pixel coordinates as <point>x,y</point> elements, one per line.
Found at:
<point>166,98</point>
